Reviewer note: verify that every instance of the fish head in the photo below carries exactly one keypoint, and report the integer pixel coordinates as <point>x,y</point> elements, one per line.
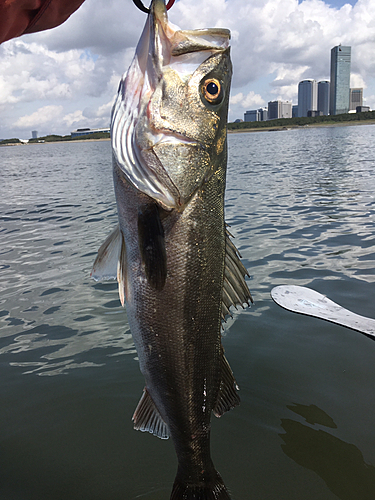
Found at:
<point>169,120</point>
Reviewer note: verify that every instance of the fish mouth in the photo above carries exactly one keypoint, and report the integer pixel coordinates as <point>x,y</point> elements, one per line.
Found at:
<point>147,152</point>
<point>135,158</point>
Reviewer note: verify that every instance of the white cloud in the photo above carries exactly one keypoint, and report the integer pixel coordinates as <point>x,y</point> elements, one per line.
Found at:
<point>250,100</point>
<point>43,116</point>
<point>369,100</point>
<point>275,44</point>
<point>75,119</point>
<point>356,81</point>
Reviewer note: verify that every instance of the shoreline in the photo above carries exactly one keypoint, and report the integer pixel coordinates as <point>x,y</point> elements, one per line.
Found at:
<point>294,127</point>
<point>231,131</point>
<point>53,142</point>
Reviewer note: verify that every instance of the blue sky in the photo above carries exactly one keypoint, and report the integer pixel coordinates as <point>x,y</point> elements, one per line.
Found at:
<point>340,3</point>
<point>61,79</point>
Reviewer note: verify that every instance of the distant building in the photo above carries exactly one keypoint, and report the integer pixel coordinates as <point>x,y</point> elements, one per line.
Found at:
<point>340,79</point>
<point>273,110</point>
<point>307,97</point>
<point>263,114</point>
<point>87,131</point>
<point>294,110</point>
<point>323,97</point>
<point>34,134</point>
<point>362,109</point>
<point>256,115</point>
<point>279,109</point>
<point>286,109</point>
<point>251,116</point>
<point>311,113</point>
<point>355,98</point>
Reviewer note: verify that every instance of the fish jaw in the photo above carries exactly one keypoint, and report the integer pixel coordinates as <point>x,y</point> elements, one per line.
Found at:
<point>162,155</point>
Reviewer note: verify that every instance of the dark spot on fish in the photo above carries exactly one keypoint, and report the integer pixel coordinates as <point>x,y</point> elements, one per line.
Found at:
<point>152,245</point>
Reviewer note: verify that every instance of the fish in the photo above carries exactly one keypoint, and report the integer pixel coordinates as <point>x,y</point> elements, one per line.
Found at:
<point>177,269</point>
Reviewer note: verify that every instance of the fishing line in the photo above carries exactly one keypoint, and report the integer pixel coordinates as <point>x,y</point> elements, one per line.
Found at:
<point>141,7</point>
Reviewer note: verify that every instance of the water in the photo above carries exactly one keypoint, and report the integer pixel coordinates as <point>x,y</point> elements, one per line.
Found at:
<point>301,206</point>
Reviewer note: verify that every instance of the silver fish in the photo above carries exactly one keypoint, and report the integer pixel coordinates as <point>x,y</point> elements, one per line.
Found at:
<point>177,270</point>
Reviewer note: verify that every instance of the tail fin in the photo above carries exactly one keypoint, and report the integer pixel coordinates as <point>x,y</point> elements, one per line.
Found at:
<point>213,489</point>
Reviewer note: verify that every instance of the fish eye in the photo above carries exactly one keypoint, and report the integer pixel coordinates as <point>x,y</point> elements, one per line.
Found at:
<point>212,91</point>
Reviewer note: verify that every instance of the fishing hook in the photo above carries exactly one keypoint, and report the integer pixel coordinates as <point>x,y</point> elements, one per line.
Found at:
<point>141,7</point>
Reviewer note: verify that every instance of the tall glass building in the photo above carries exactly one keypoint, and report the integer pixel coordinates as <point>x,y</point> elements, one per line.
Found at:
<point>340,80</point>
<point>323,97</point>
<point>307,97</point>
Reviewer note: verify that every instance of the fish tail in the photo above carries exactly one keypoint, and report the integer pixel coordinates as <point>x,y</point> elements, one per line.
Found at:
<point>211,489</point>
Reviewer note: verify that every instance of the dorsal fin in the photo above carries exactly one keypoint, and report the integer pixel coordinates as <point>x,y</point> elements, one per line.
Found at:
<point>105,265</point>
<point>147,418</point>
<point>235,290</point>
<point>228,397</point>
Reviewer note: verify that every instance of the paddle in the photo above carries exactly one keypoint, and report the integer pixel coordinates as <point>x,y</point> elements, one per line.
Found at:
<point>303,300</point>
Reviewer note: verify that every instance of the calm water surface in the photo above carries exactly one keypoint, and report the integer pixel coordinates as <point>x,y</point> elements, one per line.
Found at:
<point>301,204</point>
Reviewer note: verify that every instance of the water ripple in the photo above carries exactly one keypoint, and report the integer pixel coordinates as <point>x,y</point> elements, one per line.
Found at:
<point>301,205</point>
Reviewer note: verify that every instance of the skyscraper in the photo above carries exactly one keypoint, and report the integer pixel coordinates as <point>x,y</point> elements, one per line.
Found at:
<point>323,97</point>
<point>307,97</point>
<point>340,80</point>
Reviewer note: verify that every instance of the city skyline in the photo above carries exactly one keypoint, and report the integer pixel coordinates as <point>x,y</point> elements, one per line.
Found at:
<point>323,97</point>
<point>66,78</point>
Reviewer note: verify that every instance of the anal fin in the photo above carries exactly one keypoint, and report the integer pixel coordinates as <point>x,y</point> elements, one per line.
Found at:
<point>147,418</point>
<point>228,397</point>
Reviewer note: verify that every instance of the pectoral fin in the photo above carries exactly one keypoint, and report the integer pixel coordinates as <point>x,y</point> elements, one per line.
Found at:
<point>147,418</point>
<point>121,272</point>
<point>111,261</point>
<point>105,265</point>
<point>152,245</point>
<point>235,290</point>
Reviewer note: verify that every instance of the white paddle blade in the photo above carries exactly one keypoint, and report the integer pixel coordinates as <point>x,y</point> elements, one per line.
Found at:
<point>303,300</point>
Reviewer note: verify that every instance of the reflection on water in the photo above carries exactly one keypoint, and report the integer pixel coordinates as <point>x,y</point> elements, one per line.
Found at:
<point>339,464</point>
<point>313,415</point>
<point>48,246</point>
<point>301,205</point>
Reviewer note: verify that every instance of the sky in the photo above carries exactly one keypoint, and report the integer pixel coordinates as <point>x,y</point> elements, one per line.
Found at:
<point>66,78</point>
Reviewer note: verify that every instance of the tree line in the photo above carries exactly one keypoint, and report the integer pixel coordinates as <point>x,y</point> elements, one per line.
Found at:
<point>301,121</point>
